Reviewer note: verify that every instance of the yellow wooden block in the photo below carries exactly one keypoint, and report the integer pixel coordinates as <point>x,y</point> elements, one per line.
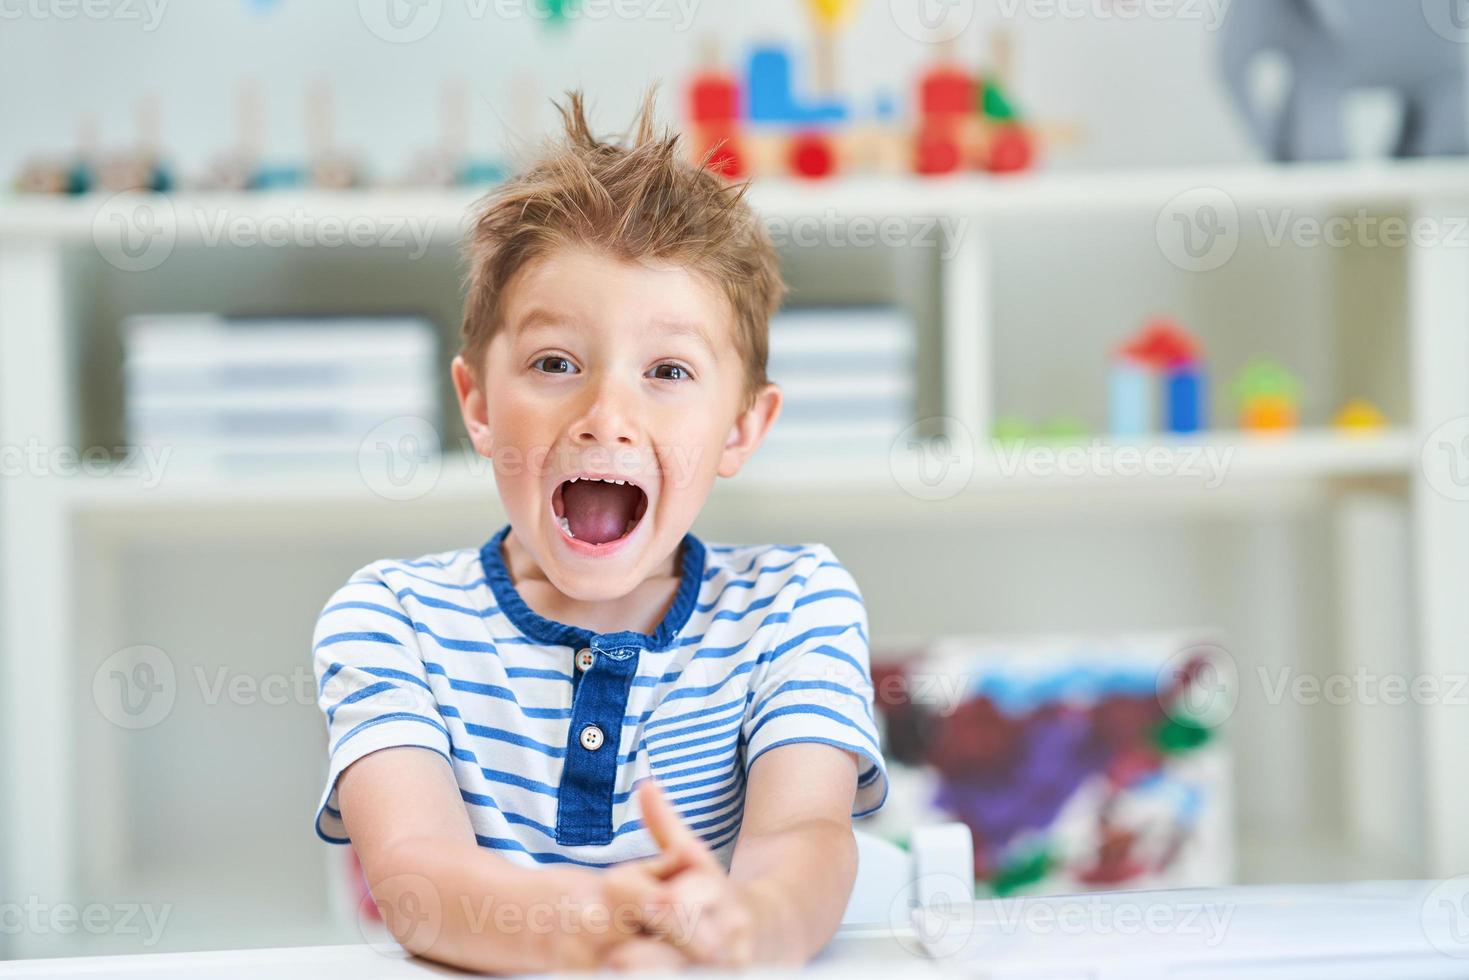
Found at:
<point>831,13</point>
<point>1360,415</point>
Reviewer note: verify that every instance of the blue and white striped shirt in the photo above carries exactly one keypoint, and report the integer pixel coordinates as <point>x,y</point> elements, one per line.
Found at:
<point>548,727</point>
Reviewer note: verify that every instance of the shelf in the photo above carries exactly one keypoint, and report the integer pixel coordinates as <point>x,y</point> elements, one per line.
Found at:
<point>193,217</point>
<point>1218,461</point>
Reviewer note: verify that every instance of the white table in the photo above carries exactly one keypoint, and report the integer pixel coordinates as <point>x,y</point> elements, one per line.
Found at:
<point>1371,931</point>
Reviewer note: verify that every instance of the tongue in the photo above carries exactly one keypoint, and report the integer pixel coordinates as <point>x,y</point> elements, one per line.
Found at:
<point>598,512</point>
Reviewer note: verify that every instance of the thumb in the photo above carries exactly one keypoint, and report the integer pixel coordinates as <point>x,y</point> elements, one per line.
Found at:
<point>679,844</point>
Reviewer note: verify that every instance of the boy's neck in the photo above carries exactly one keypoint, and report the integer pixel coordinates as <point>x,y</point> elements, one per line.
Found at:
<point>639,611</point>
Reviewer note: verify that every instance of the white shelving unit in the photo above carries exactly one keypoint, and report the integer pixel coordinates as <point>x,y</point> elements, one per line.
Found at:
<point>59,534</point>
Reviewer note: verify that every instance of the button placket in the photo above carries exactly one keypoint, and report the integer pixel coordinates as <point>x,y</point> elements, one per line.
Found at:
<point>584,798</point>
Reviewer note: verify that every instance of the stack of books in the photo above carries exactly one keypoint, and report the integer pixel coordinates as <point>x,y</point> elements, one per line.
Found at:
<point>248,394</point>
<point>847,375</point>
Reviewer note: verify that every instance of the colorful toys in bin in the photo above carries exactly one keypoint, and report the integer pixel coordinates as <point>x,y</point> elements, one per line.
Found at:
<point>1268,396</point>
<point>1163,359</point>
<point>1076,763</point>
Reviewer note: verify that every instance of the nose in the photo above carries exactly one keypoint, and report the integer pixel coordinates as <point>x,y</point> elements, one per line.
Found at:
<point>610,416</point>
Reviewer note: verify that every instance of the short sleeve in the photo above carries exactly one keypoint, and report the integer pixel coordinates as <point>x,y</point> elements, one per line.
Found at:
<point>815,683</point>
<point>371,684</point>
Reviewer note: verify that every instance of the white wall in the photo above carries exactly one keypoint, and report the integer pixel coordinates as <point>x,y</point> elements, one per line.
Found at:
<point>1145,90</point>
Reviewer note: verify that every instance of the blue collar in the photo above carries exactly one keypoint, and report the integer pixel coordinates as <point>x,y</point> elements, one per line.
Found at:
<point>552,633</point>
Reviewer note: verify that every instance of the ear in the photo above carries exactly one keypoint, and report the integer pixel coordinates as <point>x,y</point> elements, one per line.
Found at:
<point>473,407</point>
<point>749,430</point>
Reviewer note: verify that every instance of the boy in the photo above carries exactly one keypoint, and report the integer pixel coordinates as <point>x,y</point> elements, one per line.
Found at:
<point>642,751</point>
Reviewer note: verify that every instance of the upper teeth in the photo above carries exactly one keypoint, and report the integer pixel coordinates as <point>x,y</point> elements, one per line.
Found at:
<point>597,479</point>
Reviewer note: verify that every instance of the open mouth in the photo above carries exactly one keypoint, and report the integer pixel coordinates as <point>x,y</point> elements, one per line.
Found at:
<point>598,510</point>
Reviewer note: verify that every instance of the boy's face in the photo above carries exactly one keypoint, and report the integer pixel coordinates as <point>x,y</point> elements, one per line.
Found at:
<point>619,370</point>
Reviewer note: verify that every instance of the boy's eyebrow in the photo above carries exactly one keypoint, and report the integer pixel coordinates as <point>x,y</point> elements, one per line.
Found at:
<point>684,328</point>
<point>539,317</point>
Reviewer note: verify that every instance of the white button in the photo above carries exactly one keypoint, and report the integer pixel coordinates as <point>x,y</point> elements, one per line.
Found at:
<point>584,659</point>
<point>591,738</point>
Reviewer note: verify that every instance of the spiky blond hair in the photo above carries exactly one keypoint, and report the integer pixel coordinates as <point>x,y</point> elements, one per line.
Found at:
<point>632,201</point>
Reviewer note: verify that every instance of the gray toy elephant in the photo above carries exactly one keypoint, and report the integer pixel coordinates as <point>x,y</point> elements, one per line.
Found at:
<point>1336,46</point>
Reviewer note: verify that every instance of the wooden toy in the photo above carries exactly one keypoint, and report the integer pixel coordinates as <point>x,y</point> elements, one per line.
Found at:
<point>968,121</point>
<point>1061,430</point>
<point>1361,417</point>
<point>1131,393</point>
<point>450,163</point>
<point>830,16</point>
<point>772,93</point>
<point>1164,351</point>
<point>713,110</point>
<point>139,169</point>
<point>328,167</point>
<point>57,175</point>
<point>1268,397</point>
<point>239,168</point>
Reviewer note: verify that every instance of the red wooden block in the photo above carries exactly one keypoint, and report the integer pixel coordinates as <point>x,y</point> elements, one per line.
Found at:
<point>714,97</point>
<point>812,155</point>
<point>936,150</point>
<point>946,91</point>
<point>1011,151</point>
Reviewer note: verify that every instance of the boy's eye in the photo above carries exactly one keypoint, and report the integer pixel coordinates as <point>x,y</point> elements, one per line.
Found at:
<point>554,364</point>
<point>670,372</point>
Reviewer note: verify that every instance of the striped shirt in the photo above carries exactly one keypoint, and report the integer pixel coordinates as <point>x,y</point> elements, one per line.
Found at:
<point>548,727</point>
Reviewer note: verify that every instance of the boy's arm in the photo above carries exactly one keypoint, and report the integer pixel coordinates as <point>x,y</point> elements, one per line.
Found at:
<point>796,858</point>
<point>446,898</point>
